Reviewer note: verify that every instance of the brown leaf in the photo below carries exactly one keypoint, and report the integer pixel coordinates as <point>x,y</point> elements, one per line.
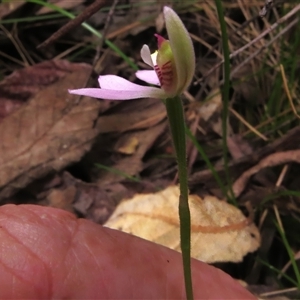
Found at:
<point>210,113</point>
<point>238,147</point>
<point>92,201</point>
<point>219,231</point>
<point>144,117</point>
<point>49,132</point>
<point>22,84</point>
<point>132,165</point>
<point>62,198</point>
<point>8,7</point>
<point>287,142</point>
<point>7,106</point>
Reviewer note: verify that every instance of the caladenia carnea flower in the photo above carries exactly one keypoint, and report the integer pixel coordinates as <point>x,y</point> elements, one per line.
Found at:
<point>173,67</point>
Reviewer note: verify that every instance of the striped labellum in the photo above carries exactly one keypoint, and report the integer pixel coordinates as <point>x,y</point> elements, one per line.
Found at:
<point>164,64</point>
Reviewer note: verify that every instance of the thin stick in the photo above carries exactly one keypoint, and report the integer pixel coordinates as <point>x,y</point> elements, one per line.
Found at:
<point>253,129</point>
<point>17,46</point>
<point>89,11</point>
<point>287,91</point>
<point>104,32</point>
<point>283,31</point>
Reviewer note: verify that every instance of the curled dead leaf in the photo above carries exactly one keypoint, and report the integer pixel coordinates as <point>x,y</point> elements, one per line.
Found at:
<point>219,231</point>
<point>271,160</point>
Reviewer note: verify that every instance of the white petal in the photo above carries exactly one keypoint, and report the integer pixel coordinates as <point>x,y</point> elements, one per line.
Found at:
<point>141,92</point>
<point>154,58</point>
<point>148,76</point>
<point>146,56</point>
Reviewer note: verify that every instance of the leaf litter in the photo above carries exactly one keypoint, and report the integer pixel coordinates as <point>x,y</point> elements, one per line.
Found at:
<point>51,145</point>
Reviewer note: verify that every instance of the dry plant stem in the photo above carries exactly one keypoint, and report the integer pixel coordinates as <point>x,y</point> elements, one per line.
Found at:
<point>253,55</point>
<point>17,46</point>
<point>89,11</point>
<point>283,31</point>
<point>278,292</point>
<point>8,57</point>
<point>287,265</point>
<point>287,91</point>
<point>177,126</point>
<point>267,31</point>
<point>252,129</point>
<point>106,26</point>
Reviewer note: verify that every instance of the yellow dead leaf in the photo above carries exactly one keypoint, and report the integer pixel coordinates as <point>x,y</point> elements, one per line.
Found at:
<point>211,105</point>
<point>128,146</point>
<point>220,232</point>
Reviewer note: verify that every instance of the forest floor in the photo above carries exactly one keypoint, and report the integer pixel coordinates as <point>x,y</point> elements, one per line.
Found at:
<point>86,155</point>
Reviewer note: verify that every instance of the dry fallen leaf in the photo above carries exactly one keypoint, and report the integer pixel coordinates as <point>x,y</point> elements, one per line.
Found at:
<point>210,113</point>
<point>133,164</point>
<point>127,146</point>
<point>238,147</point>
<point>139,115</point>
<point>50,131</point>
<point>220,232</point>
<point>8,7</point>
<point>22,84</point>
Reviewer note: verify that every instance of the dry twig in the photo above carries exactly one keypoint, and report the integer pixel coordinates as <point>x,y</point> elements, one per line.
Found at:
<point>267,31</point>
<point>89,11</point>
<point>271,160</point>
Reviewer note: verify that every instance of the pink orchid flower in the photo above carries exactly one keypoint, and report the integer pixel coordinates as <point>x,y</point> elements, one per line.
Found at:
<point>173,68</point>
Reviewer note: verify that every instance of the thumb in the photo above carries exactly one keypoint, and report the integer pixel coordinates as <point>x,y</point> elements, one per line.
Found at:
<point>49,253</point>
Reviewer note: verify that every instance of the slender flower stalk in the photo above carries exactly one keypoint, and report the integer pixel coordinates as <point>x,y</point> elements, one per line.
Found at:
<point>173,67</point>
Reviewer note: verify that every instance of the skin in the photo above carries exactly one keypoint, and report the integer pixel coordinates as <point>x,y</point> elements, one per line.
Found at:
<point>48,253</point>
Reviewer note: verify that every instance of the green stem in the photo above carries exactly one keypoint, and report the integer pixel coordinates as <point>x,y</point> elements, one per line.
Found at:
<point>177,125</point>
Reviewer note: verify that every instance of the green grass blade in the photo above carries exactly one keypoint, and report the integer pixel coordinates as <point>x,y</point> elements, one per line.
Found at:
<point>279,272</point>
<point>118,172</point>
<point>290,253</point>
<point>225,95</point>
<point>206,160</point>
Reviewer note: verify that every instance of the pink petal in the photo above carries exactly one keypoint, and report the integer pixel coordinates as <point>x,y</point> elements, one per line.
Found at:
<point>141,92</point>
<point>117,83</point>
<point>146,56</point>
<point>148,76</point>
